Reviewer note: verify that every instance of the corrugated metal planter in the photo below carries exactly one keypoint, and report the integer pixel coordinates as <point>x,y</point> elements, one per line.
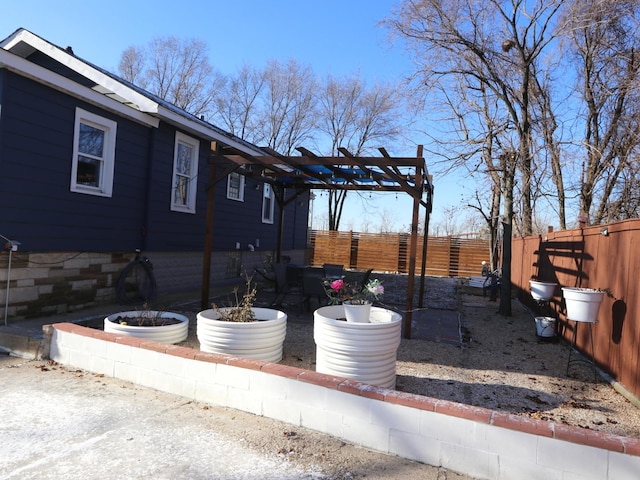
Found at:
<point>260,340</point>
<point>360,351</point>
<point>169,327</point>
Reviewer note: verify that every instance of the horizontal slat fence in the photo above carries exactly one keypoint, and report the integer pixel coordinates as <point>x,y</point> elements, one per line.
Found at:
<point>389,252</point>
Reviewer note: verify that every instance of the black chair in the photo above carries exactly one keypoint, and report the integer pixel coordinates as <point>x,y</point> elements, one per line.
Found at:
<point>358,279</point>
<point>332,270</point>
<point>283,286</point>
<point>313,286</point>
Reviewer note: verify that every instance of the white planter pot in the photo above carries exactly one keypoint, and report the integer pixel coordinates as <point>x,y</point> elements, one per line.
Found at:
<point>174,333</point>
<point>542,291</point>
<point>582,303</point>
<point>260,340</point>
<point>360,351</point>
<point>357,313</point>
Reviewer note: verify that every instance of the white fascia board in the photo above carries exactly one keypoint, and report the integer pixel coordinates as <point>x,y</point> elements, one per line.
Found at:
<point>203,131</point>
<point>25,68</point>
<point>142,102</point>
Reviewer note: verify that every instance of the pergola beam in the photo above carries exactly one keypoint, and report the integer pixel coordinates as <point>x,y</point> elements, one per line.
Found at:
<point>348,172</point>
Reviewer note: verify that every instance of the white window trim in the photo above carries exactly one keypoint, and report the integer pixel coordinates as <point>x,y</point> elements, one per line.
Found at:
<point>241,189</point>
<point>273,201</point>
<point>190,207</point>
<point>109,127</point>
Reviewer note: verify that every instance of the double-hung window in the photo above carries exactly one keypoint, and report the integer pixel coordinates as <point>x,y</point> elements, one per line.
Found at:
<point>235,187</point>
<point>268,200</point>
<point>94,150</point>
<point>185,174</point>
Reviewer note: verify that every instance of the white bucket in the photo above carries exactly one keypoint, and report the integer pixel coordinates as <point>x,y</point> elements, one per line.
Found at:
<point>545,327</point>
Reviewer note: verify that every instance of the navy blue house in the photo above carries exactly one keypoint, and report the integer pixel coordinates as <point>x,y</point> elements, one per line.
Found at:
<point>92,168</point>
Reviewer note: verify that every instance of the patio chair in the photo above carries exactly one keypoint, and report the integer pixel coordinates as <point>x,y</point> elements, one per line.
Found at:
<point>312,286</point>
<point>358,278</point>
<point>332,270</point>
<point>284,284</point>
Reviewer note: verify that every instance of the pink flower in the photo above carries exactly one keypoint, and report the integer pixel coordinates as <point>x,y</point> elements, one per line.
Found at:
<point>337,285</point>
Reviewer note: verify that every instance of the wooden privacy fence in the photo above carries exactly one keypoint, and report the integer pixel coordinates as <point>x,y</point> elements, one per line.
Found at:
<point>389,252</point>
<point>600,257</point>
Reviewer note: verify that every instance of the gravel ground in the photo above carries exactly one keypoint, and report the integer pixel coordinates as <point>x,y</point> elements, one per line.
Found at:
<point>500,363</point>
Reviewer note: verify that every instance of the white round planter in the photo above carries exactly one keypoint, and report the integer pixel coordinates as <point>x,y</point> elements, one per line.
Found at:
<point>359,351</point>
<point>542,291</point>
<point>260,340</point>
<point>582,303</point>
<point>173,333</point>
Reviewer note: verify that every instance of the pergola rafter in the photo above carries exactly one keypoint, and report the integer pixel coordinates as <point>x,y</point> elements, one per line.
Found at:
<point>309,171</point>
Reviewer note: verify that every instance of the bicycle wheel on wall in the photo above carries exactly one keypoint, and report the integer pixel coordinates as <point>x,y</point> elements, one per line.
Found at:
<point>137,283</point>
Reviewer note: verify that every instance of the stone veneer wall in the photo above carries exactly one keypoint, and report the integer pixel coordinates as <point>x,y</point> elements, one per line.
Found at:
<point>475,441</point>
<point>44,284</point>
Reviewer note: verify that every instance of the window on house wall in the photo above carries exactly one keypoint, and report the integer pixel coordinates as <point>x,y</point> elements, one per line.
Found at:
<point>268,200</point>
<point>185,174</point>
<point>235,186</point>
<point>94,151</point>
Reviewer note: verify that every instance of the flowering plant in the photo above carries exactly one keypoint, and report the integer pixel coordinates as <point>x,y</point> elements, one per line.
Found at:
<point>340,291</point>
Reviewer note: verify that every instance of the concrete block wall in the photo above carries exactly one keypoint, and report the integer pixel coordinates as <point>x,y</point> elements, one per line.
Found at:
<point>470,440</point>
<point>52,283</point>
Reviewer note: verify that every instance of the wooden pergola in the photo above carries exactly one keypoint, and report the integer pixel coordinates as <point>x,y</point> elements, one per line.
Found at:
<point>292,176</point>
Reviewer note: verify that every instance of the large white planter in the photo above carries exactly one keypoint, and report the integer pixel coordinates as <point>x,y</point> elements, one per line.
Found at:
<point>542,291</point>
<point>260,340</point>
<point>360,351</point>
<point>173,333</point>
<point>582,303</point>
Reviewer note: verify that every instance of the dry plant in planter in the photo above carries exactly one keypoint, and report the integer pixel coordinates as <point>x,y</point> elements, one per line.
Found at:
<point>241,310</point>
<point>242,329</point>
<point>166,327</point>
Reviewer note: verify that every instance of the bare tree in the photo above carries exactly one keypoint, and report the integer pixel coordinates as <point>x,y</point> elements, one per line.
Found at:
<point>605,42</point>
<point>287,116</point>
<point>492,45</point>
<point>176,70</point>
<point>238,100</point>
<point>353,116</point>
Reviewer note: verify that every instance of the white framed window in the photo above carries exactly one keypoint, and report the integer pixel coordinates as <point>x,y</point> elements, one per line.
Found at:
<point>185,174</point>
<point>268,200</point>
<point>94,152</point>
<point>235,187</point>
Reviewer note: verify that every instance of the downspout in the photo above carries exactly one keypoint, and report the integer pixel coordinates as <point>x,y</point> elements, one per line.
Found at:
<point>279,194</point>
<point>144,228</point>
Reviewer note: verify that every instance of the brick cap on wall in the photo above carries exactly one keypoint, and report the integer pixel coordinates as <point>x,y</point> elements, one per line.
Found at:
<point>543,428</point>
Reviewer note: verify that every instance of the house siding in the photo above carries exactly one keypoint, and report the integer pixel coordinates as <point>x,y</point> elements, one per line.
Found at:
<point>73,246</point>
<point>35,196</point>
<point>37,127</point>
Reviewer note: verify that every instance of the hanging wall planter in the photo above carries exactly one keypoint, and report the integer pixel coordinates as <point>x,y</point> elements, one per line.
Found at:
<point>165,327</point>
<point>582,303</point>
<point>360,351</point>
<point>261,339</point>
<point>542,291</point>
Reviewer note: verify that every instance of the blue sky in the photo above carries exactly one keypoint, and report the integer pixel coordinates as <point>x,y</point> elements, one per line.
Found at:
<point>338,37</point>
